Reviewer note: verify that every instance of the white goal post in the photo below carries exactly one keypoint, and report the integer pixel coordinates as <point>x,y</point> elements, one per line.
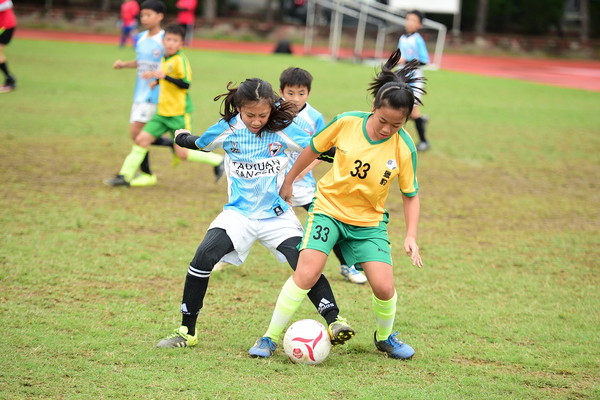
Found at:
<point>387,19</point>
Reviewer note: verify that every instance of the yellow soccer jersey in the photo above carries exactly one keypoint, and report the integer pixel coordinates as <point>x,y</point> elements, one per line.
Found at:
<point>173,100</point>
<point>356,187</point>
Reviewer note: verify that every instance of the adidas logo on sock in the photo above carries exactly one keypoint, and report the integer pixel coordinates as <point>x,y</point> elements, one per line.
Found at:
<point>324,304</point>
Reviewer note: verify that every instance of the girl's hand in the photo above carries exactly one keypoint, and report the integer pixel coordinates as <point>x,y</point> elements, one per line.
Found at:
<point>286,193</point>
<point>179,131</point>
<point>412,250</point>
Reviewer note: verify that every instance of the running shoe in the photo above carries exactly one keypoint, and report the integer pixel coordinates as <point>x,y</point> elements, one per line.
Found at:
<point>118,180</point>
<point>143,179</point>
<point>340,331</point>
<point>394,347</point>
<point>352,274</point>
<point>264,347</point>
<point>179,338</point>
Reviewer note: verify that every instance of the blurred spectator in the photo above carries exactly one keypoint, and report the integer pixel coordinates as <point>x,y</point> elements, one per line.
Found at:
<point>130,9</point>
<point>8,23</point>
<point>186,16</point>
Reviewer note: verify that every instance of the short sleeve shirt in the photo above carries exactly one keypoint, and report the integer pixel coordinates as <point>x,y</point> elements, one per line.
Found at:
<point>172,99</point>
<point>356,187</point>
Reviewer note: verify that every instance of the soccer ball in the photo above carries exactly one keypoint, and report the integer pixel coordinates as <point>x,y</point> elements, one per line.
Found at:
<point>307,342</point>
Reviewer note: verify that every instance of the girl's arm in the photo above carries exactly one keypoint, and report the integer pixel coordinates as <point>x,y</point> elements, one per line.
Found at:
<point>411,215</point>
<point>304,159</point>
<point>184,138</point>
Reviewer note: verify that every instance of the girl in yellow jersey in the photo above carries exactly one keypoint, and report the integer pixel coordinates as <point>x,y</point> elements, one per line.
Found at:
<point>372,148</point>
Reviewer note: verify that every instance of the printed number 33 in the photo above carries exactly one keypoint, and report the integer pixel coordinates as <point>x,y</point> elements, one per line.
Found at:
<point>361,169</point>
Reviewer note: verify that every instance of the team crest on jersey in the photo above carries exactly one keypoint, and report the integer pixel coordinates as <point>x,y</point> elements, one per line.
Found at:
<point>275,148</point>
<point>391,164</point>
<point>234,147</point>
<point>156,53</point>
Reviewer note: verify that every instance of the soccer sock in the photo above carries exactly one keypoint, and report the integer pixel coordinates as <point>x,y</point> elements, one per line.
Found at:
<point>163,141</point>
<point>9,77</point>
<point>420,124</point>
<point>321,294</point>
<point>215,245</point>
<point>289,300</point>
<point>213,159</point>
<point>133,161</point>
<point>385,312</point>
<point>145,165</point>
<point>196,284</point>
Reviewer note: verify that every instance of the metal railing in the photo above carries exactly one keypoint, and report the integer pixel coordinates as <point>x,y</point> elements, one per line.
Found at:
<point>379,15</point>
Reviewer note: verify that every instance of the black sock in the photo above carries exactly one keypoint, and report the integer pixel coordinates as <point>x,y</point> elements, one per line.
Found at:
<point>163,141</point>
<point>9,78</point>
<point>145,165</point>
<point>321,294</point>
<point>215,245</point>
<point>420,124</point>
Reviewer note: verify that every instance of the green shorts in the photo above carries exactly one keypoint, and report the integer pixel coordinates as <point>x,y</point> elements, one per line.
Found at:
<point>159,125</point>
<point>358,243</point>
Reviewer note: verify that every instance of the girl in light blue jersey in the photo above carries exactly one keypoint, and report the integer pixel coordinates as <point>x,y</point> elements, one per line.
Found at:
<point>257,135</point>
<point>412,46</point>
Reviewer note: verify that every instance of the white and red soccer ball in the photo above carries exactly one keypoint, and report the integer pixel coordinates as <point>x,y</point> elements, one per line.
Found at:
<point>307,342</point>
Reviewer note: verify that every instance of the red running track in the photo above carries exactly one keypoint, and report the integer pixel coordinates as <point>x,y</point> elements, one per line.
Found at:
<point>578,74</point>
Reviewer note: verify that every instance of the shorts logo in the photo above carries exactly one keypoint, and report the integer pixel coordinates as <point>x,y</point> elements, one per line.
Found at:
<point>278,210</point>
<point>275,148</point>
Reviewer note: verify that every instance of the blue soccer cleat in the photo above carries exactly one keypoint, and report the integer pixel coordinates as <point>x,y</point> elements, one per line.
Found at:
<point>394,347</point>
<point>264,347</point>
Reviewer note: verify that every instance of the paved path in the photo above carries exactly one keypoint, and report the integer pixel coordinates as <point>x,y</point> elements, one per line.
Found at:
<point>579,74</point>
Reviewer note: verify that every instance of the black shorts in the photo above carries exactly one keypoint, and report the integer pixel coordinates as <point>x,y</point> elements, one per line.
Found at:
<point>6,36</point>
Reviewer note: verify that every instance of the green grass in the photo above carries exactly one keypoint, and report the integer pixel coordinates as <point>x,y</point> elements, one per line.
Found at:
<point>91,276</point>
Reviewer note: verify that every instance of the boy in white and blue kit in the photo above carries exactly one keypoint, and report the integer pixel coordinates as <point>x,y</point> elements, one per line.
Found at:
<point>412,46</point>
<point>149,51</point>
<point>257,135</point>
<point>295,85</point>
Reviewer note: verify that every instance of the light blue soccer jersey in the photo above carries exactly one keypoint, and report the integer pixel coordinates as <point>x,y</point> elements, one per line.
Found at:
<point>255,166</point>
<point>149,51</point>
<point>310,121</point>
<point>413,46</point>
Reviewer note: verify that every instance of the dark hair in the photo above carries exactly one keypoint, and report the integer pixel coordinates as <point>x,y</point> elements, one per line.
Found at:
<point>254,90</point>
<point>154,5</point>
<point>295,77</point>
<point>418,13</point>
<point>396,88</point>
<point>175,29</point>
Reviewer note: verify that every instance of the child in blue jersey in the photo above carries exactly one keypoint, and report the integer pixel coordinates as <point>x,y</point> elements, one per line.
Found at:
<point>148,53</point>
<point>412,46</point>
<point>257,135</point>
<point>173,112</point>
<point>295,85</point>
<point>349,206</point>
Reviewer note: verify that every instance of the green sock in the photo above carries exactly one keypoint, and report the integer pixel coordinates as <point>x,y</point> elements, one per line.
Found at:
<point>213,159</point>
<point>385,312</point>
<point>290,299</point>
<point>133,161</point>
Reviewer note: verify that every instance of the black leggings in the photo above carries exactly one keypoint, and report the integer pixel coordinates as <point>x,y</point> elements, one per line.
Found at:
<point>215,245</point>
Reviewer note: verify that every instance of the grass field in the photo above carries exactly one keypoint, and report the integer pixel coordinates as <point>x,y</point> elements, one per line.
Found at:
<point>506,307</point>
